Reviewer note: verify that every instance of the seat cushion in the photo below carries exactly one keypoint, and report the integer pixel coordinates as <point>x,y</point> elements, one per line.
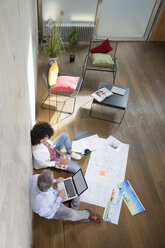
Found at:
<point>101,59</point>
<point>104,47</point>
<point>53,74</point>
<point>65,84</point>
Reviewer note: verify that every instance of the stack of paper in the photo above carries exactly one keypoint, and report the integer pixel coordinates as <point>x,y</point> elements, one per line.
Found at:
<point>104,174</point>
<point>106,168</point>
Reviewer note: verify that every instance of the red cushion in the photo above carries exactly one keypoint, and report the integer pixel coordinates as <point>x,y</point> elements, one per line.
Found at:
<point>104,47</point>
<point>65,84</point>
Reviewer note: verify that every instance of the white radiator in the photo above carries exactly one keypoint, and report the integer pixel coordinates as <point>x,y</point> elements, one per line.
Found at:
<point>85,30</point>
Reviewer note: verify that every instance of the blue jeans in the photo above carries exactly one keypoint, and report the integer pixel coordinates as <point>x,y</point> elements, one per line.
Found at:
<point>63,139</point>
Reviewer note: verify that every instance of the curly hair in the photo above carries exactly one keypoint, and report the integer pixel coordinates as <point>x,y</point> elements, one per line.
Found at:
<point>40,131</point>
<point>44,181</point>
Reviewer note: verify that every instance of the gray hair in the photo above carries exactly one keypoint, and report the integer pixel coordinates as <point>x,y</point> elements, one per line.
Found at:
<point>45,181</point>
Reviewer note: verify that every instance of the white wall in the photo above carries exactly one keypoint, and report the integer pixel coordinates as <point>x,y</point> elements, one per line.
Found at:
<point>18,77</point>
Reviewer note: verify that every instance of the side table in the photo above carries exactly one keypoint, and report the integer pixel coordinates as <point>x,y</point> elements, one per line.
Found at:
<point>114,101</point>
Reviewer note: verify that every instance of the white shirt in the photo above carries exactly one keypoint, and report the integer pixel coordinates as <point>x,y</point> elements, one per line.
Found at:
<point>41,156</point>
<point>45,204</point>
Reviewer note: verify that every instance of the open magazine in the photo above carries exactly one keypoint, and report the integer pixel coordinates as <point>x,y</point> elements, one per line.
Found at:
<point>101,94</point>
<point>62,166</point>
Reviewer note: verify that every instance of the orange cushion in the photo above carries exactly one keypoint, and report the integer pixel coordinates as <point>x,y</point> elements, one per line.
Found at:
<point>65,84</point>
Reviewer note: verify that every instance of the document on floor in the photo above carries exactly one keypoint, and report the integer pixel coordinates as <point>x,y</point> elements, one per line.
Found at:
<point>112,210</point>
<point>132,201</point>
<point>106,169</point>
<point>92,143</point>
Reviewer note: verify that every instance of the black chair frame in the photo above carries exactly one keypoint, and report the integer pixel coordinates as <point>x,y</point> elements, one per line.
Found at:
<point>69,95</point>
<point>88,61</point>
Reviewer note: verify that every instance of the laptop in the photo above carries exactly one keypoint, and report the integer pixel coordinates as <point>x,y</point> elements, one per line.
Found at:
<point>74,186</point>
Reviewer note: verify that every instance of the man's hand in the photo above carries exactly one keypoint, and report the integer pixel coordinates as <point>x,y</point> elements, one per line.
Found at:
<point>60,179</point>
<point>62,193</point>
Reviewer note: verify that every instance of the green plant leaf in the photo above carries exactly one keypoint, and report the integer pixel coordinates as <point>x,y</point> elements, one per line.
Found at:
<point>54,43</point>
<point>73,39</point>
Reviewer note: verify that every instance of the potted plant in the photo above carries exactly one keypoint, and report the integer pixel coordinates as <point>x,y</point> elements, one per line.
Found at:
<point>54,43</point>
<point>73,40</point>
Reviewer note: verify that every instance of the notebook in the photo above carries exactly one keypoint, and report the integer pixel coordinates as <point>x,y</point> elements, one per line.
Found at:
<point>118,90</point>
<point>73,186</point>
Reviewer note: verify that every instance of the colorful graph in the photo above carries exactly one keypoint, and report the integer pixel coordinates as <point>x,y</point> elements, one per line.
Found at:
<point>112,211</point>
<point>132,201</point>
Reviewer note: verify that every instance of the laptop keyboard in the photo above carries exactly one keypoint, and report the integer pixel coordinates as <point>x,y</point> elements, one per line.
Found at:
<point>69,188</point>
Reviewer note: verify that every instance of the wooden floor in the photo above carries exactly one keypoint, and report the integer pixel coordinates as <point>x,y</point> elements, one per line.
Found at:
<point>141,67</point>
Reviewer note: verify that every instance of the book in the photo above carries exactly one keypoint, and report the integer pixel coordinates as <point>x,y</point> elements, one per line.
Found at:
<point>101,94</point>
<point>118,90</point>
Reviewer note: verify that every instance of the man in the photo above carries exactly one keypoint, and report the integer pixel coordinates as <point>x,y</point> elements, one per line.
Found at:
<point>47,202</point>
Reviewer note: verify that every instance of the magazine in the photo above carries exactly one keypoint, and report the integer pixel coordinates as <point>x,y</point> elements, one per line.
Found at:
<point>101,94</point>
<point>62,166</point>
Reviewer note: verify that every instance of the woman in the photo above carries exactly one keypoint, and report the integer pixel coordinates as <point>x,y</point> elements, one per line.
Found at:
<point>47,153</point>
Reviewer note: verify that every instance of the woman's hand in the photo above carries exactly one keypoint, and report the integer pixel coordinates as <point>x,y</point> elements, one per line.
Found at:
<point>60,152</point>
<point>60,179</point>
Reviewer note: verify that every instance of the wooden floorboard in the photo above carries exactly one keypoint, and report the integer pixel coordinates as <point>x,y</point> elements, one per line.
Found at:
<point>140,68</point>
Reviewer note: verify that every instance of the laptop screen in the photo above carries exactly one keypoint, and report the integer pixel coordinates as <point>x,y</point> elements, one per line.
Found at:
<point>79,182</point>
